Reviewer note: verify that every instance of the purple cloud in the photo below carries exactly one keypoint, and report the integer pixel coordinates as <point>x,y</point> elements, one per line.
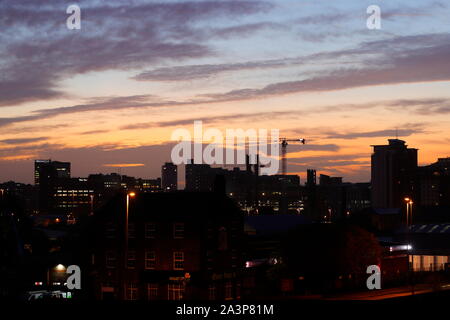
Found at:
<point>428,62</point>
<point>113,37</point>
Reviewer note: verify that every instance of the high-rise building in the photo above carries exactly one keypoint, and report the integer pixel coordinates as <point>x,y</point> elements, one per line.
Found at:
<point>169,177</point>
<point>394,174</point>
<point>311,177</point>
<point>38,164</point>
<point>47,174</point>
<point>48,169</point>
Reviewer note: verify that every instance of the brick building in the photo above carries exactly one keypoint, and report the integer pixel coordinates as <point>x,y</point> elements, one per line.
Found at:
<point>181,246</point>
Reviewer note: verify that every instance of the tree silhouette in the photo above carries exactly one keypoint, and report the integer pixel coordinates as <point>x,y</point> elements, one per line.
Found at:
<point>323,253</point>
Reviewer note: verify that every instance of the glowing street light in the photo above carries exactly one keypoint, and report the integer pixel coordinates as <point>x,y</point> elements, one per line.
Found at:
<point>60,267</point>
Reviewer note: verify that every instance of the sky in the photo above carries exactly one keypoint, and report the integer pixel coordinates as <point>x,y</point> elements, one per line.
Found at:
<point>108,96</point>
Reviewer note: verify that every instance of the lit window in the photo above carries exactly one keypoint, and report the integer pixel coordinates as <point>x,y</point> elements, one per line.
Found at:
<point>152,291</point>
<point>111,259</point>
<point>175,291</point>
<point>178,230</point>
<point>178,260</point>
<point>228,290</point>
<point>131,231</point>
<point>150,230</point>
<point>212,292</point>
<point>131,261</point>
<point>150,260</point>
<point>238,291</point>
<point>223,239</point>
<point>132,291</point>
<point>110,230</point>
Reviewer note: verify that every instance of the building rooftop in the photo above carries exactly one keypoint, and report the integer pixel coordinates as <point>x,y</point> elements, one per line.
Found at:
<point>173,204</point>
<point>441,228</point>
<point>270,224</point>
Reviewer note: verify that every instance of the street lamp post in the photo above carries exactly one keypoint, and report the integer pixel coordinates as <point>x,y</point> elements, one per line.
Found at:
<point>409,207</point>
<point>410,212</point>
<point>129,195</point>
<point>92,204</point>
<point>407,200</point>
<point>412,256</point>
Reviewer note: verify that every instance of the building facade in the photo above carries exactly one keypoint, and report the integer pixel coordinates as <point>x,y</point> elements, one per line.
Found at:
<point>169,177</point>
<point>434,181</point>
<point>178,246</point>
<point>394,174</point>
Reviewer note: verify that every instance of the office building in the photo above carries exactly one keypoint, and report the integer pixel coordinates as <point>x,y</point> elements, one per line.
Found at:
<point>47,174</point>
<point>48,169</point>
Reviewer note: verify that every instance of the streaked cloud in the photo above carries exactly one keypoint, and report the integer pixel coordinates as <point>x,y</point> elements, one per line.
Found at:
<point>23,140</point>
<point>377,133</point>
<point>114,40</point>
<point>123,165</point>
<point>399,64</point>
<point>94,132</point>
<point>191,72</point>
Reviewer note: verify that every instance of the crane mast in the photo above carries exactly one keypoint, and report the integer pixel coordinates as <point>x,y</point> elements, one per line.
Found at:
<point>284,144</point>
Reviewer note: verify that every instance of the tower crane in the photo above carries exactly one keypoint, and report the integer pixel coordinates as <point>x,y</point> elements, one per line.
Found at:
<point>284,144</point>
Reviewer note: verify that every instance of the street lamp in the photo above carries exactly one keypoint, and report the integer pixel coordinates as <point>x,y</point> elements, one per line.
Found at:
<point>60,267</point>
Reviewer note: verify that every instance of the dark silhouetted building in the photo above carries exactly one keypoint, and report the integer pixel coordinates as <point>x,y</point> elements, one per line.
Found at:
<point>358,196</point>
<point>149,185</point>
<point>333,199</point>
<point>200,177</point>
<point>325,180</point>
<point>169,177</point>
<point>394,172</point>
<point>47,174</point>
<point>181,245</point>
<point>252,192</point>
<point>74,196</point>
<point>434,181</point>
<point>24,193</point>
<point>311,177</point>
<point>48,169</point>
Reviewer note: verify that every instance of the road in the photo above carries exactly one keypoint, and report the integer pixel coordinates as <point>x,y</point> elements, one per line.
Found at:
<point>381,294</point>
